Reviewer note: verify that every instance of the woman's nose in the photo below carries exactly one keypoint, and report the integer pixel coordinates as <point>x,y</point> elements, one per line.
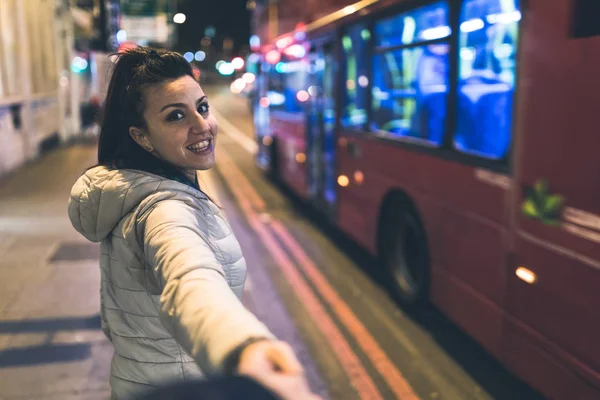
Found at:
<point>201,125</point>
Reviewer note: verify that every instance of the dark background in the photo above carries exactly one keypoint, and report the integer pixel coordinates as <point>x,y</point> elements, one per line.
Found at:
<point>229,17</point>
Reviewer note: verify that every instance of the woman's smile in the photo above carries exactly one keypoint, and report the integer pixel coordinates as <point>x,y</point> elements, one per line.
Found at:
<point>202,147</point>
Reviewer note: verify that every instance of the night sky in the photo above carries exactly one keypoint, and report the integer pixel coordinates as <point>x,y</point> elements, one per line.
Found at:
<point>229,17</point>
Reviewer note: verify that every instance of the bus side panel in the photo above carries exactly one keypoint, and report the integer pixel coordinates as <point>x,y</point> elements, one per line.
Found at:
<point>355,205</point>
<point>467,248</point>
<point>289,134</point>
<point>557,158</point>
<point>560,306</point>
<point>539,367</point>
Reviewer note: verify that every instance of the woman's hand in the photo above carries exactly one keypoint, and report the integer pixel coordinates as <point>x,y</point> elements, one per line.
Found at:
<point>274,365</point>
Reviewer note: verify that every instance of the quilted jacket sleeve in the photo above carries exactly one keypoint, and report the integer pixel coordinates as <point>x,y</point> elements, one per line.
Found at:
<point>197,304</point>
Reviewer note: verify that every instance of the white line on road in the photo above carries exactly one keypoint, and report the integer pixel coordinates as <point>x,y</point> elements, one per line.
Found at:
<point>229,129</point>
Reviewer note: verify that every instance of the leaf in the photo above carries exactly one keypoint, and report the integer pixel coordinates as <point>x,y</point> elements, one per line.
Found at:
<point>552,204</point>
<point>528,192</point>
<point>541,188</point>
<point>529,209</point>
<point>554,213</point>
<point>551,221</point>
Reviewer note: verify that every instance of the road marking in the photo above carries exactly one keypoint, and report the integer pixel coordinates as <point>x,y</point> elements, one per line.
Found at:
<point>394,378</point>
<point>359,378</point>
<point>240,138</point>
<point>368,344</point>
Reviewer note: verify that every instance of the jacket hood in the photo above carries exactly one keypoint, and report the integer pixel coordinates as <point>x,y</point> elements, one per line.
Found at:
<point>102,197</point>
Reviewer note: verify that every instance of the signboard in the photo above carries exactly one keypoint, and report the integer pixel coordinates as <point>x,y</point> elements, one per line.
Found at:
<point>146,29</point>
<point>143,8</point>
<point>146,20</point>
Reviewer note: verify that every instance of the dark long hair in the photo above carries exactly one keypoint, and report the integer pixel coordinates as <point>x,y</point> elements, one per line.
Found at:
<point>124,108</point>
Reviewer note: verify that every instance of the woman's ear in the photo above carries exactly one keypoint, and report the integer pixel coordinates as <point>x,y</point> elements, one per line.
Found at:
<point>141,138</point>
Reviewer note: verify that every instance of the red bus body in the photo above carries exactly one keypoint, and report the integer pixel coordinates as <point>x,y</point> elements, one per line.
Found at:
<point>289,130</point>
<point>472,211</point>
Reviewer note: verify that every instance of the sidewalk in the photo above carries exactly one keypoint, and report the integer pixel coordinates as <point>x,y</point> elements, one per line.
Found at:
<point>51,344</point>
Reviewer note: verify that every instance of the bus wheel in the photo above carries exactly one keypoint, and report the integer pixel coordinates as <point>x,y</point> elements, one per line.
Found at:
<point>405,256</point>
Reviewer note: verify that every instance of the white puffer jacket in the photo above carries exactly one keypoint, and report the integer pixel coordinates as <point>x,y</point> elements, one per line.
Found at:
<point>172,277</point>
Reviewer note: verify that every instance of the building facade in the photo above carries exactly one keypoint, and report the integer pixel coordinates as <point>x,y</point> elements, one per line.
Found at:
<point>38,95</point>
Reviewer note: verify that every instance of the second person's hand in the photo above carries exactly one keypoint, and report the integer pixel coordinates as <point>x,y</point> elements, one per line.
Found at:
<point>274,364</point>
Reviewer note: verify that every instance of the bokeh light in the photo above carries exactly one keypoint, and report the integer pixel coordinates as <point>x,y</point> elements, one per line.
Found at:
<point>121,36</point>
<point>179,18</point>
<point>200,56</point>
<point>226,69</point>
<point>302,96</point>
<point>249,77</point>
<point>264,102</point>
<point>238,63</point>
<point>254,41</point>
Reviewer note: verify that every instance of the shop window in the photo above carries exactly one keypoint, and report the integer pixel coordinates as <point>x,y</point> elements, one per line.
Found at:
<point>488,41</point>
<point>410,75</point>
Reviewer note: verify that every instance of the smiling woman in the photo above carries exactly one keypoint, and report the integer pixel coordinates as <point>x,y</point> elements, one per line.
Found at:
<point>172,271</point>
<point>179,127</point>
<point>157,117</point>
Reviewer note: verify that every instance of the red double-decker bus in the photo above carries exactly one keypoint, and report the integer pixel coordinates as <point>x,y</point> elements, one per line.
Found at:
<point>457,140</point>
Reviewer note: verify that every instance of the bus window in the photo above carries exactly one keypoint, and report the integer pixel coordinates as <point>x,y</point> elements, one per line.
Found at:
<point>488,40</point>
<point>286,79</point>
<point>420,25</point>
<point>354,70</point>
<point>410,84</point>
<point>586,20</point>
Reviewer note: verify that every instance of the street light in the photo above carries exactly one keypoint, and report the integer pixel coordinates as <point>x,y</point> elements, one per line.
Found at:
<point>179,18</point>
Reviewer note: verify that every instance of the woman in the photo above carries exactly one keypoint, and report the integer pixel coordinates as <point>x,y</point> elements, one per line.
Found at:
<point>172,271</point>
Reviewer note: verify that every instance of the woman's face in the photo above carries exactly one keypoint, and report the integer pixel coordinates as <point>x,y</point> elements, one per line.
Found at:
<point>179,127</point>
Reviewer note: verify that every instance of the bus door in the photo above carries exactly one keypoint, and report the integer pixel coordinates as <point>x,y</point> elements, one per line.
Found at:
<point>321,128</point>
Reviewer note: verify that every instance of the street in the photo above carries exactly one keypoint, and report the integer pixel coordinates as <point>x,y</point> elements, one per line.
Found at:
<point>312,287</point>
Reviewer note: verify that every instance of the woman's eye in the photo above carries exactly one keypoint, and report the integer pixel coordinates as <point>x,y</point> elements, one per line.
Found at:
<point>175,116</point>
<point>203,108</point>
